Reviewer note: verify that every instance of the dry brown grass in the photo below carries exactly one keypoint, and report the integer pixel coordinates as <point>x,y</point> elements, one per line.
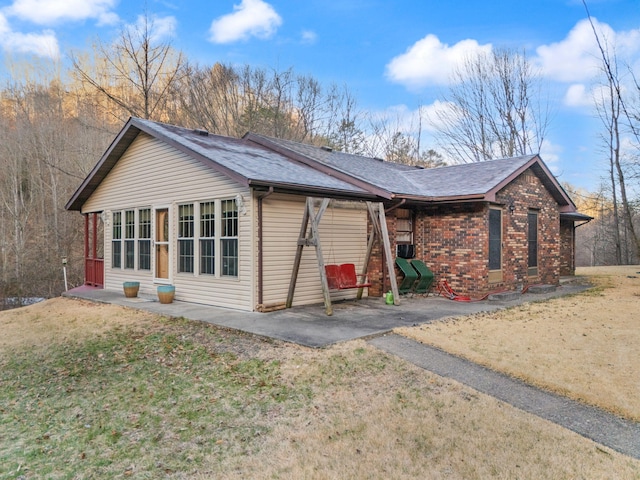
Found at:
<point>368,415</point>
<point>378,417</point>
<point>584,346</point>
<point>61,320</point>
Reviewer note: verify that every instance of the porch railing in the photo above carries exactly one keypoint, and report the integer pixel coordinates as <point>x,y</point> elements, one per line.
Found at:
<point>94,272</point>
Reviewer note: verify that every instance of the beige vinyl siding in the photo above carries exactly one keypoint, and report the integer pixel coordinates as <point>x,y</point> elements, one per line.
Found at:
<point>152,174</point>
<point>343,233</point>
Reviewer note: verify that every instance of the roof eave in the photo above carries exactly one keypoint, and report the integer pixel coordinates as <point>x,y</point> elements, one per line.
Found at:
<point>292,188</point>
<point>123,140</point>
<point>551,183</point>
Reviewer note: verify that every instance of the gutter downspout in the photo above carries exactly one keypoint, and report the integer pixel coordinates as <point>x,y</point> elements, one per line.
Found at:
<point>260,253</point>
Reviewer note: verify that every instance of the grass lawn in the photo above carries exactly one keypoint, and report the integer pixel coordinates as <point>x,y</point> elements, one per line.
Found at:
<point>583,346</point>
<point>100,391</point>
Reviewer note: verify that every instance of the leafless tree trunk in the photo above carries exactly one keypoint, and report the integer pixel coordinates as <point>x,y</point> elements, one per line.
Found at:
<point>136,73</point>
<point>618,106</point>
<point>494,109</point>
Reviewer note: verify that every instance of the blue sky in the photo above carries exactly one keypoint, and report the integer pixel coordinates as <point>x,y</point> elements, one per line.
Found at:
<point>395,56</point>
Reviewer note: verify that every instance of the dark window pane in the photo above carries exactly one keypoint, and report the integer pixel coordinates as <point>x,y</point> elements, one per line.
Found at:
<point>185,256</point>
<point>207,257</point>
<point>230,257</point>
<point>495,239</point>
<point>129,253</point>
<point>144,254</point>
<point>532,218</point>
<point>116,254</point>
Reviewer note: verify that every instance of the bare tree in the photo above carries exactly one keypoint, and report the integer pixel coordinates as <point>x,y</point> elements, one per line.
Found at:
<point>494,109</point>
<point>612,109</point>
<point>136,73</point>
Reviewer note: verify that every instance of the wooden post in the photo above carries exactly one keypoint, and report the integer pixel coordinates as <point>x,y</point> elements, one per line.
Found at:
<point>296,262</point>
<point>310,236</point>
<point>387,254</point>
<point>315,232</point>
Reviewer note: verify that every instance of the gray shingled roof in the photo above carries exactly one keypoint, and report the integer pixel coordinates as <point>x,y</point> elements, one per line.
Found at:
<point>261,161</point>
<point>388,176</point>
<point>466,179</point>
<point>250,161</point>
<point>456,180</point>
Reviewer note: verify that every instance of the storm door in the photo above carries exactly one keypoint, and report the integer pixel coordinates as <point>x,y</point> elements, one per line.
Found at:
<point>162,244</point>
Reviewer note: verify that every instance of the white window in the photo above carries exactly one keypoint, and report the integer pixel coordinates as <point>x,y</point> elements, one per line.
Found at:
<point>116,240</point>
<point>144,239</point>
<point>229,238</point>
<point>208,238</point>
<point>185,238</point>
<point>129,242</point>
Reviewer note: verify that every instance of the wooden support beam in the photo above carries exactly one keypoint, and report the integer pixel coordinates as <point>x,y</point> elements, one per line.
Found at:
<point>387,254</point>
<point>315,232</point>
<point>296,262</point>
<point>309,236</point>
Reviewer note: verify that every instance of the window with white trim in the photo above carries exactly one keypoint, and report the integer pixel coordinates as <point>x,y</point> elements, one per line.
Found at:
<point>185,238</point>
<point>229,238</point>
<point>129,236</point>
<point>116,240</point>
<point>208,238</point>
<point>144,239</point>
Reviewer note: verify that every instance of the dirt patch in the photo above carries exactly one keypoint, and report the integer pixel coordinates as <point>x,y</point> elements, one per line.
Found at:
<point>583,346</point>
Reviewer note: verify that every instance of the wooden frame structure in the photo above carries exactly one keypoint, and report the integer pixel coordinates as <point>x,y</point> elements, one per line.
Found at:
<point>310,236</point>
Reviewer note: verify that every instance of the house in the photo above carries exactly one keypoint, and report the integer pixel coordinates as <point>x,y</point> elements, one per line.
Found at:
<point>222,218</point>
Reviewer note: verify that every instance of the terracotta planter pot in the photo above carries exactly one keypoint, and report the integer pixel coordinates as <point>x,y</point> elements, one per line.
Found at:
<point>131,289</point>
<point>166,293</point>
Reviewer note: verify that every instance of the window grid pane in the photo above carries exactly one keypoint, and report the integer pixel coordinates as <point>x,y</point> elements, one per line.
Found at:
<point>207,238</point>
<point>230,257</point>
<point>116,254</point>
<point>207,256</point>
<point>116,243</point>
<point>130,224</point>
<point>229,218</point>
<point>185,238</point>
<point>229,242</point>
<point>144,242</point>
<point>129,253</point>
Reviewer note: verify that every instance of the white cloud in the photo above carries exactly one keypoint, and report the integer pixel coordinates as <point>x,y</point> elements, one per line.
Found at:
<point>43,44</point>
<point>159,27</point>
<point>251,18</point>
<point>577,57</point>
<point>578,95</point>
<point>309,37</point>
<point>47,12</point>
<point>429,61</point>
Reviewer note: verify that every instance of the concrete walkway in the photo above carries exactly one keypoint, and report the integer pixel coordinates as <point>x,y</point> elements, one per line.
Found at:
<point>309,325</point>
<point>371,318</point>
<point>602,427</point>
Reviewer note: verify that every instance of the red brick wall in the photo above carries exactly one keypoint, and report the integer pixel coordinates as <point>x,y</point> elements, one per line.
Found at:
<point>453,240</point>
<point>528,193</point>
<point>455,244</point>
<point>567,244</point>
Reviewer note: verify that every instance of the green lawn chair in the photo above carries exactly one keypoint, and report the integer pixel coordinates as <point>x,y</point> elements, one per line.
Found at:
<point>426,276</point>
<point>410,275</point>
